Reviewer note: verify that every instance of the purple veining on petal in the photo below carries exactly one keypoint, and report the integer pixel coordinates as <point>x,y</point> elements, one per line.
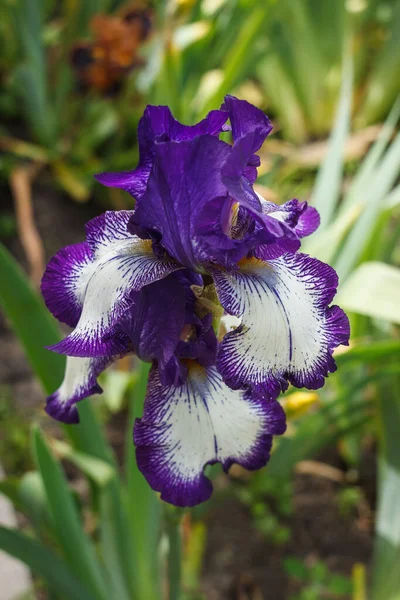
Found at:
<point>80,381</point>
<point>109,294</point>
<point>288,331</point>
<point>64,282</point>
<point>198,423</point>
<point>122,264</point>
<point>108,230</point>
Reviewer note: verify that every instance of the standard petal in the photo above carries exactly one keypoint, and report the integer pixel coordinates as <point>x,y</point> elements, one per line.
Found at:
<point>65,280</point>
<point>184,178</point>
<point>246,118</point>
<point>158,125</point>
<point>80,381</point>
<point>288,330</point>
<point>201,422</point>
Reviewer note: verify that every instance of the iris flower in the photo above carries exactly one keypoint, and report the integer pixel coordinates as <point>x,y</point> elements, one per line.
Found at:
<point>155,281</point>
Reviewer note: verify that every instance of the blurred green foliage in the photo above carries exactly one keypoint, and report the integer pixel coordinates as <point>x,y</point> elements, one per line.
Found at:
<point>315,67</point>
<point>286,56</point>
<point>317,581</point>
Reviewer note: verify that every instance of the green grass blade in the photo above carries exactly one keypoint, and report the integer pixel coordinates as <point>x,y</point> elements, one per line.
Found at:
<point>383,84</point>
<point>143,505</point>
<point>278,88</point>
<point>33,324</point>
<point>362,180</point>
<point>327,243</point>
<point>370,352</point>
<point>99,471</point>
<point>44,563</point>
<point>386,572</point>
<point>327,187</point>
<point>359,237</point>
<point>36,328</point>
<point>76,546</point>
<point>111,544</point>
<point>236,57</point>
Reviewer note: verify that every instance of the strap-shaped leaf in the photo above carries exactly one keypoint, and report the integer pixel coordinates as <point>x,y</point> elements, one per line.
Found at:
<point>143,505</point>
<point>373,290</point>
<point>36,328</point>
<point>45,564</point>
<point>76,546</point>
<point>327,187</point>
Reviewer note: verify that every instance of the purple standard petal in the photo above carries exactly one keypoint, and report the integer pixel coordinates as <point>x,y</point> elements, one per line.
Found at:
<point>80,381</point>
<point>65,280</point>
<point>185,177</point>
<point>158,125</point>
<point>288,331</point>
<point>202,422</point>
<point>248,122</point>
<point>122,264</point>
<point>246,118</point>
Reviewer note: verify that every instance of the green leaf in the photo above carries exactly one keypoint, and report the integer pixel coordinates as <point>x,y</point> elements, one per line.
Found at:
<point>32,323</point>
<point>115,386</point>
<point>380,185</point>
<point>30,78</point>
<point>236,56</point>
<point>111,544</point>
<point>76,546</point>
<point>44,563</point>
<point>36,328</point>
<point>383,83</point>
<point>97,470</point>
<point>32,494</point>
<point>370,187</point>
<point>370,352</point>
<point>143,504</point>
<point>373,290</point>
<point>362,180</point>
<point>327,187</point>
<point>386,572</point>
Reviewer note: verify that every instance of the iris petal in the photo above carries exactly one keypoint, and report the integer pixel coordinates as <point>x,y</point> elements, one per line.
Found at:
<point>65,280</point>
<point>79,382</point>
<point>185,177</point>
<point>201,422</point>
<point>296,219</point>
<point>158,125</point>
<point>288,331</point>
<point>122,264</point>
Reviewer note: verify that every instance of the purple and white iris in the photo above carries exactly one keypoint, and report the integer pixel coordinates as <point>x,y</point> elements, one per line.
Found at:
<point>155,281</point>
